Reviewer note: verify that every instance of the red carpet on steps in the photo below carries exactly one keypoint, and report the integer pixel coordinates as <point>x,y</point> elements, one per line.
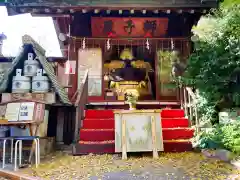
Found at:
<point>97,133</point>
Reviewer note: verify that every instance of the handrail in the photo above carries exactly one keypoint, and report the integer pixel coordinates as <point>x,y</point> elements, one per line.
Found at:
<point>80,104</point>
<point>191,93</point>
<point>80,91</point>
<point>189,104</point>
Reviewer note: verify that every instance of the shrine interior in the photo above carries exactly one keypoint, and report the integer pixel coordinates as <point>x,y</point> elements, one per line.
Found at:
<point>142,71</point>
<point>129,73</point>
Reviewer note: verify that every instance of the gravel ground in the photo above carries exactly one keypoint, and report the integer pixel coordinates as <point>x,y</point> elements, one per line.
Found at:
<point>169,166</point>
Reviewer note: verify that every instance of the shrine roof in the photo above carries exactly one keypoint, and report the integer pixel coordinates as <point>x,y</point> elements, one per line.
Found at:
<point>109,4</point>
<point>116,3</point>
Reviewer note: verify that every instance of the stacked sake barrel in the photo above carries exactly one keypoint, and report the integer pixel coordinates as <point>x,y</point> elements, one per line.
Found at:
<point>33,79</point>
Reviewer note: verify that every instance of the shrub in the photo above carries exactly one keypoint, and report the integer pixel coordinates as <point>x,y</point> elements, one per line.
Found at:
<point>221,136</point>
<point>213,67</point>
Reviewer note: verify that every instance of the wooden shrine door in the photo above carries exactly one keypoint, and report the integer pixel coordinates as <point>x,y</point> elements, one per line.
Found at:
<point>91,59</point>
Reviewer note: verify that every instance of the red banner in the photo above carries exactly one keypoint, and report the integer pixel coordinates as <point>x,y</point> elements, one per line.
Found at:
<point>128,27</point>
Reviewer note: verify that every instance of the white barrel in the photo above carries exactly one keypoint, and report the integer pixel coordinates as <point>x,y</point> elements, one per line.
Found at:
<point>30,67</point>
<point>40,84</point>
<point>21,84</point>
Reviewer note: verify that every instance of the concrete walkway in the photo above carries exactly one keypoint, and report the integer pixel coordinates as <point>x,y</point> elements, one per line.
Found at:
<point>169,166</point>
<point>165,172</point>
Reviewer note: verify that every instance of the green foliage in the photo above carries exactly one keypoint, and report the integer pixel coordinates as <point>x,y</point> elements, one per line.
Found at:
<point>227,3</point>
<point>208,140</point>
<point>216,56</point>
<point>221,136</point>
<point>205,108</point>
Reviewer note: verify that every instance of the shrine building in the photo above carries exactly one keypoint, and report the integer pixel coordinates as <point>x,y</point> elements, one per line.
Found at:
<point>109,49</point>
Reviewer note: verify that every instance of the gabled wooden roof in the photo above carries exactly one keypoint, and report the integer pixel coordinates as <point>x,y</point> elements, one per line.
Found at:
<point>29,43</point>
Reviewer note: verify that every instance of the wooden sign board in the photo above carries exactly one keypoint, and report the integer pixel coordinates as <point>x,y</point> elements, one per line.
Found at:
<point>138,131</point>
<point>25,111</point>
<point>91,59</point>
<point>35,112</point>
<point>12,111</point>
<point>128,27</point>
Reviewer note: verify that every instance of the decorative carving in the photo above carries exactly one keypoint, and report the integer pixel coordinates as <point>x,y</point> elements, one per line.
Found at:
<point>150,26</point>
<point>142,64</point>
<point>129,26</point>
<point>108,27</point>
<point>126,54</point>
<point>115,64</point>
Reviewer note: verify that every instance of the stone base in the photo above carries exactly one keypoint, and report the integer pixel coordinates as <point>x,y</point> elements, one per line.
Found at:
<point>220,154</point>
<point>229,116</point>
